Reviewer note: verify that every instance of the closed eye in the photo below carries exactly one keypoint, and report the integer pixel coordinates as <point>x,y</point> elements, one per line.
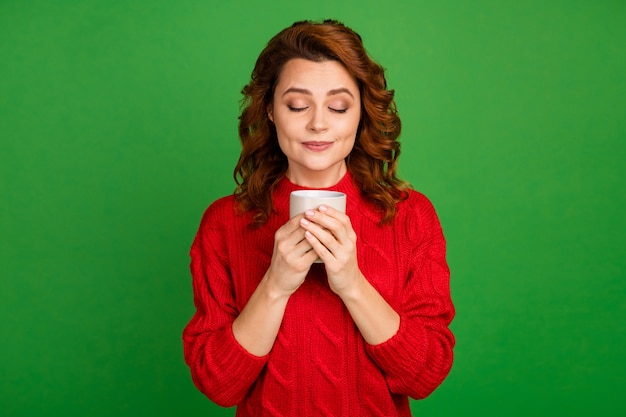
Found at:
<point>338,110</point>
<point>297,109</point>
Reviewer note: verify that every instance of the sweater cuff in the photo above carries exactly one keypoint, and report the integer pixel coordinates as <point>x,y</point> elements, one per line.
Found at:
<point>406,350</point>
<point>236,368</point>
<point>238,360</point>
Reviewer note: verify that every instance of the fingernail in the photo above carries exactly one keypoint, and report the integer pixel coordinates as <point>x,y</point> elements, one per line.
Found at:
<point>309,213</point>
<point>304,222</point>
<point>323,208</point>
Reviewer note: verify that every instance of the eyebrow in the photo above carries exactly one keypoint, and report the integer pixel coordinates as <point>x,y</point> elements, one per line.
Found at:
<point>308,93</point>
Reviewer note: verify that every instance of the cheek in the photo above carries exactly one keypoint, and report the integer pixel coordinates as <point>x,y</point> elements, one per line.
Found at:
<point>286,128</point>
<point>285,138</point>
<point>350,127</point>
<point>284,135</point>
<point>281,139</point>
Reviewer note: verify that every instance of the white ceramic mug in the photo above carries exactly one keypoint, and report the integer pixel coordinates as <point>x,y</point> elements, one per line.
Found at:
<point>303,200</point>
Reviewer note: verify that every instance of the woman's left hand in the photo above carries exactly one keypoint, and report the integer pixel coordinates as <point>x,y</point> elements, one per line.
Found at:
<point>330,234</point>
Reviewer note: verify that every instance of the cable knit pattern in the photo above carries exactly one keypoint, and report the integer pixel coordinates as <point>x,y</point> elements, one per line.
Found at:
<point>319,364</point>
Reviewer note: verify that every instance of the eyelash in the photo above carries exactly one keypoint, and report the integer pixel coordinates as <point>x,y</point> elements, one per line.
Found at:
<point>299,109</point>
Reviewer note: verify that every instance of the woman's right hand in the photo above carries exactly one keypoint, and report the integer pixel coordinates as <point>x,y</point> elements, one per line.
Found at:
<point>258,323</point>
<point>292,257</point>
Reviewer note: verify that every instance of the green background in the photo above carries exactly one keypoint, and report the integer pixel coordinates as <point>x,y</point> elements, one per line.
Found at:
<point>118,128</point>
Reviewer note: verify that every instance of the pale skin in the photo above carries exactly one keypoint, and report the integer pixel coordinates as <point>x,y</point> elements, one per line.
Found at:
<point>316,111</point>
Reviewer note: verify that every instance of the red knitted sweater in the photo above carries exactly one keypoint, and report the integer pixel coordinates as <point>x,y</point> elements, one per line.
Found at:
<point>319,364</point>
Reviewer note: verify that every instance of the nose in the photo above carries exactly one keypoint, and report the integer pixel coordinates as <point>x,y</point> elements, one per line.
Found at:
<point>318,122</point>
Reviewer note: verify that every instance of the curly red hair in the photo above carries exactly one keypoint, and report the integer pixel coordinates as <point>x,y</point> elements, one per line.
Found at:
<point>373,159</point>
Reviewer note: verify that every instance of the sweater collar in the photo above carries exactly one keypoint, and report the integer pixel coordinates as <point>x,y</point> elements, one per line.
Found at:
<point>345,185</point>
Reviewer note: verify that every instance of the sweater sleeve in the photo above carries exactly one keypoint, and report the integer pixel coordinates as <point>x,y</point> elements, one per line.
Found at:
<point>419,356</point>
<point>220,367</point>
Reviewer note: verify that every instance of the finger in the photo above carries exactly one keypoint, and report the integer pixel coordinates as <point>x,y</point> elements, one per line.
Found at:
<point>295,245</point>
<point>323,235</point>
<point>318,247</point>
<point>287,229</point>
<point>336,222</point>
<point>343,219</point>
<point>332,212</point>
<point>294,223</point>
<point>301,254</point>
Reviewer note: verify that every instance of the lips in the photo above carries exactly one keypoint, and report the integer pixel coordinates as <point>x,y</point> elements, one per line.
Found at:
<point>317,146</point>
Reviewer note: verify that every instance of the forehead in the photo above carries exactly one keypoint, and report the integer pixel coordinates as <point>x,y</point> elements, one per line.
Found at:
<point>315,76</point>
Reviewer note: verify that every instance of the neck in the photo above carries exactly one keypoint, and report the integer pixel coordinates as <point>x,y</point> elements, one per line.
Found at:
<point>317,179</point>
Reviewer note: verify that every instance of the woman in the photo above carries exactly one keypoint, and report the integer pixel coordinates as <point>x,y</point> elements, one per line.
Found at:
<point>276,333</point>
